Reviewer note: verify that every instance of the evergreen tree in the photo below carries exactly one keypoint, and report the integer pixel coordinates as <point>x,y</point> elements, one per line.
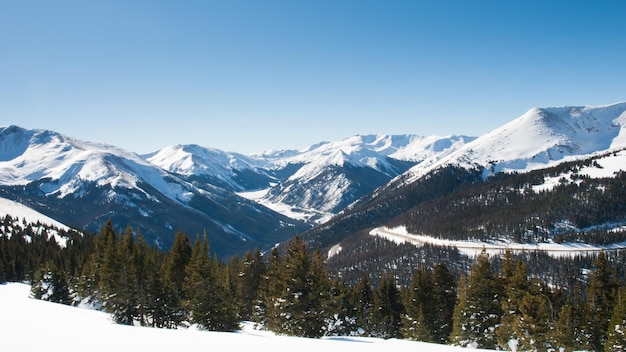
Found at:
<point>342,322</point>
<point>616,333</point>
<point>177,259</point>
<point>445,300</point>
<point>174,269</point>
<point>478,316</point>
<point>420,308</point>
<point>534,328</point>
<point>362,299</point>
<point>572,328</point>
<point>298,291</point>
<point>516,285</point>
<point>207,297</point>
<point>388,308</point>
<point>600,297</point>
<point>122,284</point>
<point>248,283</point>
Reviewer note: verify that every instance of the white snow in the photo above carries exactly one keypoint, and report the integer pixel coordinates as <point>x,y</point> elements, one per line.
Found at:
<point>474,248</point>
<point>28,324</point>
<point>22,212</point>
<point>539,138</point>
<point>31,155</point>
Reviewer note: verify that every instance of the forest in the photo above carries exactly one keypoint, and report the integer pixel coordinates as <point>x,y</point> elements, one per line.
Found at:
<point>496,303</point>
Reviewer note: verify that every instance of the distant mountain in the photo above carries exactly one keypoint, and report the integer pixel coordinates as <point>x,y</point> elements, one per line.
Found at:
<point>541,139</point>
<point>326,192</point>
<point>83,184</point>
<point>315,183</point>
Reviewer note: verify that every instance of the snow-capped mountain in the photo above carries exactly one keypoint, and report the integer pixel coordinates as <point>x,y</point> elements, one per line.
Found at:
<point>540,138</point>
<point>314,183</point>
<point>334,175</point>
<point>83,184</point>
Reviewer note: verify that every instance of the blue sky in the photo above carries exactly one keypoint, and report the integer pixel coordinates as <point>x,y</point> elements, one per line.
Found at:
<point>248,76</point>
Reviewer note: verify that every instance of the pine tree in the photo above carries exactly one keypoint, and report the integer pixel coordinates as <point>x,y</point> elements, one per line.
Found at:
<point>616,332</point>
<point>362,299</point>
<point>420,308</point>
<point>174,269</point>
<point>445,300</point>
<point>342,321</point>
<point>600,297</point>
<point>122,284</point>
<point>479,315</point>
<point>298,291</point>
<point>388,308</point>
<point>248,283</point>
<point>572,328</point>
<point>177,259</point>
<point>534,328</point>
<point>207,297</point>
<point>516,286</point>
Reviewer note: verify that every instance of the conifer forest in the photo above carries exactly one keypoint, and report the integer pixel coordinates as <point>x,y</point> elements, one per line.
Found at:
<point>494,304</point>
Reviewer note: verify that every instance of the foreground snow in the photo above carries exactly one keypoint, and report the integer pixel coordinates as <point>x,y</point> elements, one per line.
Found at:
<point>27,324</point>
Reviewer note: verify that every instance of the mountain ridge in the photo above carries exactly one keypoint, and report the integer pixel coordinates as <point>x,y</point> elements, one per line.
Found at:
<point>208,189</point>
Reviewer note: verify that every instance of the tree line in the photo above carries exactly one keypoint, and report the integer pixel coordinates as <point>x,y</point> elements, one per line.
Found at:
<point>290,291</point>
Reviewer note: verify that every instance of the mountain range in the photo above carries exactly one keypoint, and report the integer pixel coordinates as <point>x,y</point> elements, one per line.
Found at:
<point>256,201</point>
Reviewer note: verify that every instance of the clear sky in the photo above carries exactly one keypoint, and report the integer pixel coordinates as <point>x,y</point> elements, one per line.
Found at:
<point>248,76</point>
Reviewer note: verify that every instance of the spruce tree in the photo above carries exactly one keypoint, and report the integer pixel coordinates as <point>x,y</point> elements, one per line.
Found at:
<point>573,325</point>
<point>445,300</point>
<point>207,296</point>
<point>516,286</point>
<point>122,285</point>
<point>477,318</point>
<point>616,332</point>
<point>534,328</point>
<point>362,299</point>
<point>298,291</point>
<point>600,297</point>
<point>420,308</point>
<point>248,283</point>
<point>388,308</point>
<point>174,269</point>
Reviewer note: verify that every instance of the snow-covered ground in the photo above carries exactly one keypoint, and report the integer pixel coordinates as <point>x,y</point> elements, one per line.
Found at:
<point>20,212</point>
<point>28,324</point>
<point>474,248</point>
<point>288,210</point>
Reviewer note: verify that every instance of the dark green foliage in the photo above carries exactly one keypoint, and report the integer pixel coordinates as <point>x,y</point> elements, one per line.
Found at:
<point>573,326</point>
<point>616,333</point>
<point>388,308</point>
<point>206,289</point>
<point>298,293</point>
<point>480,311</point>
<point>291,292</point>
<point>247,280</point>
<point>420,308</point>
<point>362,300</point>
<point>601,294</point>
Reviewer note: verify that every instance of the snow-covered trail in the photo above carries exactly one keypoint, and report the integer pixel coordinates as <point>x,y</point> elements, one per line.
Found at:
<point>473,248</point>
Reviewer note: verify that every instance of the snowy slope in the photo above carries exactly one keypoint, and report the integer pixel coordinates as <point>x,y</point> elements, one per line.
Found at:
<point>333,175</point>
<point>22,212</point>
<point>217,167</point>
<point>540,138</point>
<point>311,184</point>
<point>32,325</point>
<point>65,164</point>
<point>84,184</point>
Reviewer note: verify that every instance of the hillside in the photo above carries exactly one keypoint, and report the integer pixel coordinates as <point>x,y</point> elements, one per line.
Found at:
<point>83,184</point>
<point>60,327</point>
